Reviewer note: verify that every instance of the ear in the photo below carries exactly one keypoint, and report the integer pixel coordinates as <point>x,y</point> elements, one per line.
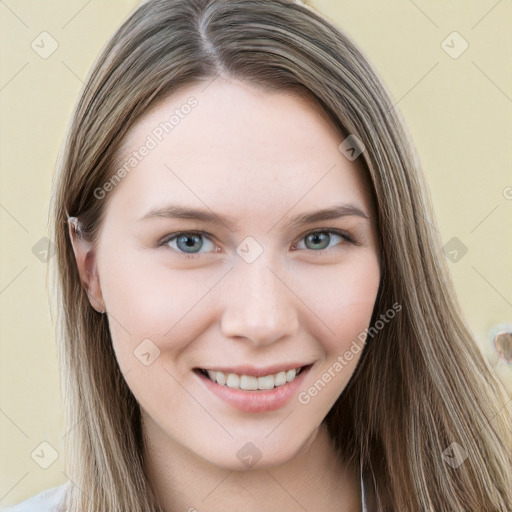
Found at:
<point>85,256</point>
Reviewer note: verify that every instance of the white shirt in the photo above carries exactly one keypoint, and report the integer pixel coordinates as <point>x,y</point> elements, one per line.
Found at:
<point>45,501</point>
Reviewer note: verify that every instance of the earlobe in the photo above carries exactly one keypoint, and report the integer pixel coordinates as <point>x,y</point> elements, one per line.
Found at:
<point>85,256</point>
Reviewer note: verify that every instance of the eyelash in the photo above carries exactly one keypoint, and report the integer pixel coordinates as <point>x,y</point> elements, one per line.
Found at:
<point>168,238</point>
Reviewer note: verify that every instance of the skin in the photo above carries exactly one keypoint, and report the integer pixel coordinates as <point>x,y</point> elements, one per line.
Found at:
<point>260,158</point>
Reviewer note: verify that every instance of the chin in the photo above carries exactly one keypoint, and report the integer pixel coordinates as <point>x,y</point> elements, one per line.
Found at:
<point>261,453</point>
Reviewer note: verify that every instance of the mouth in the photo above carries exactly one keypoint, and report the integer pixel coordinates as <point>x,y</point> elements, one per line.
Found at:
<point>254,390</point>
<point>253,380</point>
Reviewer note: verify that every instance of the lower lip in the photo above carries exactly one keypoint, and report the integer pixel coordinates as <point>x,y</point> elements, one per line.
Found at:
<point>256,401</point>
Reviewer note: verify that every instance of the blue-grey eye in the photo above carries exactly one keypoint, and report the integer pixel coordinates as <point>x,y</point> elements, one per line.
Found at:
<point>189,243</point>
<point>321,240</point>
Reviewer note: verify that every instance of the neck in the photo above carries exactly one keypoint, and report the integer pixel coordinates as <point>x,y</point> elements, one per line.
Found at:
<point>313,480</point>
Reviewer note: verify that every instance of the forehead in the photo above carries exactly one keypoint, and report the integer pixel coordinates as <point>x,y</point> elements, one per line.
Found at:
<point>237,146</point>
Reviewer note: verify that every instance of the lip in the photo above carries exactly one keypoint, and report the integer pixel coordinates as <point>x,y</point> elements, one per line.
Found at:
<point>255,401</point>
<point>254,371</point>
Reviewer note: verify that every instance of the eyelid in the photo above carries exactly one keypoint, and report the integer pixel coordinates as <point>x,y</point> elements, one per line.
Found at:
<point>339,232</point>
<point>171,236</point>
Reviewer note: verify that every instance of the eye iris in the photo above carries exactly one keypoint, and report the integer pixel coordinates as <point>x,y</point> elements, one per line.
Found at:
<point>318,240</point>
<point>188,245</point>
<point>315,237</point>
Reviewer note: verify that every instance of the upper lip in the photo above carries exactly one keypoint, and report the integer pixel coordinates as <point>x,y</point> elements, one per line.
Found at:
<point>253,371</point>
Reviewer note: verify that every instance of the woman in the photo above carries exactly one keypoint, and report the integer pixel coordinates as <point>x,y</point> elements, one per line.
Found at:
<point>262,371</point>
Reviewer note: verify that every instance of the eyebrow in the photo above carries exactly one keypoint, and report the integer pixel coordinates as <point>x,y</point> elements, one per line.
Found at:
<point>182,212</point>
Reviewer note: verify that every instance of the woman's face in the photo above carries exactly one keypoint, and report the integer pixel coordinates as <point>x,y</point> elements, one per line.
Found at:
<point>252,292</point>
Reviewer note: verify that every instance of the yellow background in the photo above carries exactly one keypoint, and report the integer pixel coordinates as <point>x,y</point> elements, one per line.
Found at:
<point>457,110</point>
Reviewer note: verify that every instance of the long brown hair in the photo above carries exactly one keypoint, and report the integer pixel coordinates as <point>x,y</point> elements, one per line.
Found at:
<point>421,383</point>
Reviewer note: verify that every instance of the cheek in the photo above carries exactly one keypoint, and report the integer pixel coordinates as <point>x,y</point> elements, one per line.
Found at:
<point>346,302</point>
<point>145,302</point>
<point>152,298</point>
<point>346,308</point>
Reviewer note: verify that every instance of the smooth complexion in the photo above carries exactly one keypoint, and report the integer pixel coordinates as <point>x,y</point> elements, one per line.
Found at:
<point>258,160</point>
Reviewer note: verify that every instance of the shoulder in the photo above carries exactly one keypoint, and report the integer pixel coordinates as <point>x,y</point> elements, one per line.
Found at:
<point>46,501</point>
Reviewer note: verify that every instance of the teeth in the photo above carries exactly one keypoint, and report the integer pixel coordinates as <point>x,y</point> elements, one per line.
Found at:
<point>280,379</point>
<point>251,383</point>
<point>290,375</point>
<point>219,377</point>
<point>233,381</point>
<point>266,382</point>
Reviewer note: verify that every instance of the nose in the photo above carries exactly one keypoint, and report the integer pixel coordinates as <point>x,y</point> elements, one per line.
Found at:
<point>259,306</point>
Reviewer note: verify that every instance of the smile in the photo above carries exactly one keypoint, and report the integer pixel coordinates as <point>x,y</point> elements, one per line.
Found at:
<point>263,391</point>
<point>251,382</point>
